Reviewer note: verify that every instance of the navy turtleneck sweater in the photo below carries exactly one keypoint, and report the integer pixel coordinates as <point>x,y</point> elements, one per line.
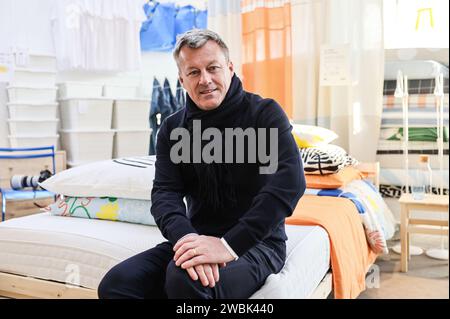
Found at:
<point>261,202</point>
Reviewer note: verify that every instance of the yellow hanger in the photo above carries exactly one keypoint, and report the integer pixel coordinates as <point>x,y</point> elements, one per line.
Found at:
<point>421,11</point>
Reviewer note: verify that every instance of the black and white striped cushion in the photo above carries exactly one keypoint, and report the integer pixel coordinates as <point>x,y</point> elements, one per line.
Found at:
<point>325,159</point>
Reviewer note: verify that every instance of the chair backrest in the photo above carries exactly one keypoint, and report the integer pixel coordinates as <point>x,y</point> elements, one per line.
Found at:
<point>25,161</point>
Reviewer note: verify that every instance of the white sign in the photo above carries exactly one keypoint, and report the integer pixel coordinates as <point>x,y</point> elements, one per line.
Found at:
<point>335,65</point>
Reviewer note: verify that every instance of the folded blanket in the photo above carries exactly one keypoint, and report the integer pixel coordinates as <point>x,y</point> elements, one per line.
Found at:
<point>376,217</point>
<point>351,255</point>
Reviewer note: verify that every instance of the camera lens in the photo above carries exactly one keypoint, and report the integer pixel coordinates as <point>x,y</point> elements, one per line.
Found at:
<point>22,181</point>
<point>16,181</point>
<point>32,181</point>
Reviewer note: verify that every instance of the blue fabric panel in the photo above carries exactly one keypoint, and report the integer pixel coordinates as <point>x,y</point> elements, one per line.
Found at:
<point>185,19</point>
<point>158,32</point>
<point>201,19</point>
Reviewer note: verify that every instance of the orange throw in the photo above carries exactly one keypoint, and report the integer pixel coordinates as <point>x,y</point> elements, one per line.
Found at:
<point>351,255</point>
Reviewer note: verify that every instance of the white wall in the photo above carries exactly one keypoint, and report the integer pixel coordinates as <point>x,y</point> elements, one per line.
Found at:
<point>26,24</point>
<point>401,28</point>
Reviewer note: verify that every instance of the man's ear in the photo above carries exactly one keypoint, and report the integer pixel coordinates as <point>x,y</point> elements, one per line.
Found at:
<point>231,66</point>
<point>181,79</point>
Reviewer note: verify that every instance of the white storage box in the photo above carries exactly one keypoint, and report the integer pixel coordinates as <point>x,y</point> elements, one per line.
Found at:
<point>33,127</point>
<point>131,143</point>
<point>33,141</point>
<point>119,91</point>
<point>131,114</point>
<point>86,114</point>
<point>68,90</point>
<point>87,146</point>
<point>37,111</point>
<point>33,77</point>
<point>34,94</point>
<point>42,61</point>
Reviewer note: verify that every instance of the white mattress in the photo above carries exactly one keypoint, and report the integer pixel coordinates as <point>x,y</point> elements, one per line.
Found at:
<point>69,249</point>
<point>307,262</point>
<point>81,251</point>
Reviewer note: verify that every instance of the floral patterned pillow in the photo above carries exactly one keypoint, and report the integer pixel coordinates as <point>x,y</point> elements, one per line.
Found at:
<point>110,208</point>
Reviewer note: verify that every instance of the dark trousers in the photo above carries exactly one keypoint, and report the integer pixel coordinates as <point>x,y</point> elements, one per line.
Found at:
<point>153,274</point>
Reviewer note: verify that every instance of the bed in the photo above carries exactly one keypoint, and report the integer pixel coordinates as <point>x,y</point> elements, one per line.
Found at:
<point>47,256</point>
<point>422,122</point>
<point>39,260</point>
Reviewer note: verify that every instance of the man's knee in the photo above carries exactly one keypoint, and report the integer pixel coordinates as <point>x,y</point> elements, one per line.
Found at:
<point>113,284</point>
<point>180,285</point>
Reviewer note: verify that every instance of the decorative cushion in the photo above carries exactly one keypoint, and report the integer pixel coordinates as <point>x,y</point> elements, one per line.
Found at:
<point>325,159</point>
<point>309,135</point>
<point>110,208</point>
<point>130,178</point>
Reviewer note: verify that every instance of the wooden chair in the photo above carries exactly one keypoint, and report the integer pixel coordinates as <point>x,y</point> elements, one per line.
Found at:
<point>24,156</point>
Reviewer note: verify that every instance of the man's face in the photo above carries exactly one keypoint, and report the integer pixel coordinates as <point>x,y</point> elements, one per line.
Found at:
<point>205,74</point>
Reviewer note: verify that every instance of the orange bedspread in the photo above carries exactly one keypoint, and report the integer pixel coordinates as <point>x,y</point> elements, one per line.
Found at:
<point>350,252</point>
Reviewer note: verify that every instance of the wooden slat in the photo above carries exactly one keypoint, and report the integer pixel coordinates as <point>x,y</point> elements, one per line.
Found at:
<point>371,170</point>
<point>323,290</point>
<point>426,230</point>
<point>16,286</point>
<point>431,222</point>
<point>428,201</point>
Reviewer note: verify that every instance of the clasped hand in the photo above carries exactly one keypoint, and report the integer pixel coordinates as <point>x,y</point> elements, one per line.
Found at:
<point>202,256</point>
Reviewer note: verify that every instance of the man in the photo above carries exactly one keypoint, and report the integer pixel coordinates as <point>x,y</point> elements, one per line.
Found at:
<point>232,235</point>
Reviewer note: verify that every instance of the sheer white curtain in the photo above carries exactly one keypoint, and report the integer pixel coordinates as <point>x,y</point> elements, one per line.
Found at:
<point>224,17</point>
<point>352,111</point>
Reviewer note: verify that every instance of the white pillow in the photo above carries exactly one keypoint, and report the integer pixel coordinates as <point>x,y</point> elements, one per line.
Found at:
<point>130,177</point>
<point>309,135</point>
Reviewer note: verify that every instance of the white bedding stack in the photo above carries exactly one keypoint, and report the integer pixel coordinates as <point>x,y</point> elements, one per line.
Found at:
<point>32,106</point>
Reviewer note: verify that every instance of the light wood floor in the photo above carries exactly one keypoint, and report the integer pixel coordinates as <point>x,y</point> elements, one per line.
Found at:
<point>426,278</point>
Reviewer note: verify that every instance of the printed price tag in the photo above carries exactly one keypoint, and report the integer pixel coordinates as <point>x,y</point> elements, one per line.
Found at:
<point>335,65</point>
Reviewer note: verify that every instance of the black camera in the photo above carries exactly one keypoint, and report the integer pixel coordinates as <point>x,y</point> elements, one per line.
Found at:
<point>23,181</point>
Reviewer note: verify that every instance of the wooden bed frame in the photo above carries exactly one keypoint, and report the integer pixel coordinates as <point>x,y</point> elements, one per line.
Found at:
<point>17,286</point>
<point>21,287</point>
